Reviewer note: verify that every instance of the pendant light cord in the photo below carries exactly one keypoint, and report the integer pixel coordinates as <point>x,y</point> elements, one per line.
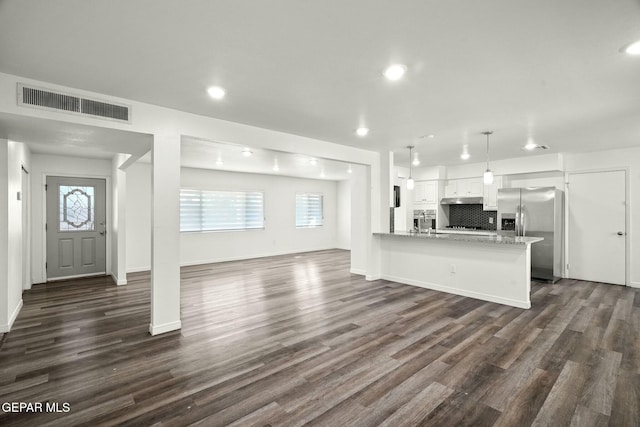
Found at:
<point>487,133</point>
<point>487,151</point>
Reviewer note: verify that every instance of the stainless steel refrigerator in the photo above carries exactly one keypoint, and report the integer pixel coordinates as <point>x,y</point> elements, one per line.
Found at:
<point>535,212</point>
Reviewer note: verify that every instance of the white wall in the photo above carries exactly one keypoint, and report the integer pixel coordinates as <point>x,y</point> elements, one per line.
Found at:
<point>42,165</point>
<point>4,235</point>
<point>525,164</point>
<point>613,159</point>
<point>13,155</point>
<point>280,235</point>
<point>344,215</point>
<point>138,217</point>
<point>541,179</point>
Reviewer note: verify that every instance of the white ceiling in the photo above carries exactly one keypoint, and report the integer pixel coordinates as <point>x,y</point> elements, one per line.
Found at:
<point>60,138</point>
<point>195,153</point>
<point>204,155</point>
<point>548,70</point>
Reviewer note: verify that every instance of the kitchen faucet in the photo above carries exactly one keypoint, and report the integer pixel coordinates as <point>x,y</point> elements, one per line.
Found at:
<point>423,216</point>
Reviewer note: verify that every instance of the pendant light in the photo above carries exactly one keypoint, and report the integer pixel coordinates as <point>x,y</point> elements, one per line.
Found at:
<point>410,182</point>
<point>488,175</point>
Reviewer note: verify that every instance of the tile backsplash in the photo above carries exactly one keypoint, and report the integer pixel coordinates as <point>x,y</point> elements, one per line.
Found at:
<point>472,216</point>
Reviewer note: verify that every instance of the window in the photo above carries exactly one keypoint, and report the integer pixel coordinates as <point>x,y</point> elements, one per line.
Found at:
<point>309,210</point>
<point>205,210</point>
<point>76,208</point>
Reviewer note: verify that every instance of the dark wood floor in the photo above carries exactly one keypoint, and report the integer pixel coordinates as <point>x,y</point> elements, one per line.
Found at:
<point>296,339</point>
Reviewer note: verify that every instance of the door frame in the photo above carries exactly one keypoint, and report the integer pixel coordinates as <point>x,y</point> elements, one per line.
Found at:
<point>108,216</point>
<point>25,191</point>
<point>627,217</point>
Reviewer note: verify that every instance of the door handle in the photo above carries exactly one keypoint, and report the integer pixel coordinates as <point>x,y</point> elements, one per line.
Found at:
<point>620,233</point>
<point>102,233</point>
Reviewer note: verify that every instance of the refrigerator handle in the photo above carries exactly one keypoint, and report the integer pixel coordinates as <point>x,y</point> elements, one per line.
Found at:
<point>522,222</point>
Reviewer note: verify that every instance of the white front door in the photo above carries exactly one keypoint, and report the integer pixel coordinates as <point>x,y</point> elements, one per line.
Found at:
<point>597,226</point>
<point>76,227</point>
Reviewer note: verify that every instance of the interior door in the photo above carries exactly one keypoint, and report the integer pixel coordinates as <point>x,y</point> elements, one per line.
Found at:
<point>597,226</point>
<point>76,227</point>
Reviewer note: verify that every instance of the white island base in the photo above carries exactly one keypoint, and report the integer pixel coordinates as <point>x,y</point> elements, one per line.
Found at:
<point>489,268</point>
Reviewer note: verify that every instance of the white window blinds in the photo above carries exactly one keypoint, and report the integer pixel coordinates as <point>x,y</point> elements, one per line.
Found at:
<point>205,210</point>
<point>309,210</point>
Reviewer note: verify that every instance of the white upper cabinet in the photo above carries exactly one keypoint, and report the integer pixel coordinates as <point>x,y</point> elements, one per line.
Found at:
<point>490,196</point>
<point>425,192</point>
<point>418,192</point>
<point>468,187</point>
<point>474,187</point>
<point>451,189</point>
<point>431,191</point>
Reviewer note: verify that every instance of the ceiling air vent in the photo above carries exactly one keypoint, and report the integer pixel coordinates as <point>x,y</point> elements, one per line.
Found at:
<point>103,109</point>
<point>35,97</point>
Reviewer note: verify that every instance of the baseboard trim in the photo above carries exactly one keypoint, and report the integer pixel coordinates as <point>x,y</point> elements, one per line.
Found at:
<point>119,282</point>
<point>245,257</point>
<point>236,258</point>
<point>7,327</point>
<point>167,327</point>
<point>634,284</point>
<point>372,277</point>
<point>470,294</point>
<point>358,271</point>
<point>138,269</point>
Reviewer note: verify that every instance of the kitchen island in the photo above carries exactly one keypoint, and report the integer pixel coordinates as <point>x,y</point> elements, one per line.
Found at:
<point>487,267</point>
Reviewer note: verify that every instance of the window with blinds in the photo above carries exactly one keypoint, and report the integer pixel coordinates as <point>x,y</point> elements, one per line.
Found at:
<point>309,210</point>
<point>206,210</point>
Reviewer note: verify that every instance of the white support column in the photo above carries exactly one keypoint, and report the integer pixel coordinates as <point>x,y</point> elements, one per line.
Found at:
<point>360,218</point>
<point>118,221</point>
<point>381,190</point>
<point>165,234</point>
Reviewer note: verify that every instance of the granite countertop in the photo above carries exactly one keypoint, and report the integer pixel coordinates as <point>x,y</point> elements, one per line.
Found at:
<point>458,231</point>
<point>501,240</point>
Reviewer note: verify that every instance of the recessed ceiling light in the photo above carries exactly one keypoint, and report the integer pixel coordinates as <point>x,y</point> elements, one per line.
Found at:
<point>313,162</point>
<point>349,170</point>
<point>465,156</point>
<point>219,162</point>
<point>216,92</point>
<point>246,152</point>
<point>530,146</point>
<point>322,174</point>
<point>276,168</point>
<point>362,131</point>
<point>633,48</point>
<point>395,72</point>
